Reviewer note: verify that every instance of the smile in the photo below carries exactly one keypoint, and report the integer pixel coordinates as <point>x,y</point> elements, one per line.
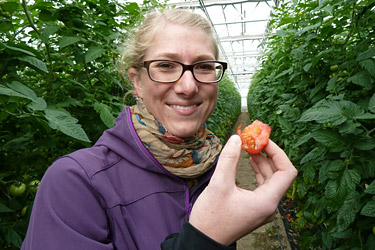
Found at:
<point>183,107</point>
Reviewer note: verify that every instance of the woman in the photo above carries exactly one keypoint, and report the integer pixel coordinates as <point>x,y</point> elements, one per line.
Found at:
<point>135,188</point>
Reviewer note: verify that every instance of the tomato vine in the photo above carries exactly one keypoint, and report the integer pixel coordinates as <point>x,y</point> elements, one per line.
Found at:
<point>315,88</point>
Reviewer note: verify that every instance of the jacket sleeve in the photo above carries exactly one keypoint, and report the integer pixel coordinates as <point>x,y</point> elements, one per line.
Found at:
<point>67,213</point>
<point>191,238</point>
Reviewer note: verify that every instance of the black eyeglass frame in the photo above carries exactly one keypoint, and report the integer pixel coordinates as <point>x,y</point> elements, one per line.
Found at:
<point>190,67</point>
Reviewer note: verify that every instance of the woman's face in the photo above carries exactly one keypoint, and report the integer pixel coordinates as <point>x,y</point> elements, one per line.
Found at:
<point>183,106</point>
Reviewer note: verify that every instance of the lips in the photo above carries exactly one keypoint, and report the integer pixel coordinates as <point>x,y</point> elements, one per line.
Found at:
<point>183,107</point>
<point>184,110</point>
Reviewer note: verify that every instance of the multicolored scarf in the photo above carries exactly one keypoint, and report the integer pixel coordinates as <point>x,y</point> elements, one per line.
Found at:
<point>184,157</point>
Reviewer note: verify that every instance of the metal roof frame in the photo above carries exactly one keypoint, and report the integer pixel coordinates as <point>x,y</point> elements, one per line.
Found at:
<point>240,26</point>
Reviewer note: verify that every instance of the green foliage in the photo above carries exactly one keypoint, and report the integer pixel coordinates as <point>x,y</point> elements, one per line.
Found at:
<point>227,110</point>
<point>59,89</point>
<point>316,90</point>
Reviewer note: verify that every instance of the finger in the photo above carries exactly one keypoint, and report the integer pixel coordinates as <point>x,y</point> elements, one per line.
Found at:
<point>258,174</point>
<point>281,180</point>
<point>264,165</point>
<point>278,157</point>
<point>225,172</point>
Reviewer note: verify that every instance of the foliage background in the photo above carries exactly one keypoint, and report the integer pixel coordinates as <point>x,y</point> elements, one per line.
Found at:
<point>316,90</point>
<point>227,110</point>
<point>60,88</point>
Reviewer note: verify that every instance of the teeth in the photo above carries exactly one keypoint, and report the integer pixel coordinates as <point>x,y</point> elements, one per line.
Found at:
<point>183,107</point>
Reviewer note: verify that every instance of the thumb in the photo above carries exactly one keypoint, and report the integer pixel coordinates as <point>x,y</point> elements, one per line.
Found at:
<point>225,173</point>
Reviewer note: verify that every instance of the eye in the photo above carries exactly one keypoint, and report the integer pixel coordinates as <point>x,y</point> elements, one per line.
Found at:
<point>165,65</point>
<point>206,66</point>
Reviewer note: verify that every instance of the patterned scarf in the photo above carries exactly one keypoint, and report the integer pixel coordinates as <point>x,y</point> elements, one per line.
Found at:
<point>184,157</point>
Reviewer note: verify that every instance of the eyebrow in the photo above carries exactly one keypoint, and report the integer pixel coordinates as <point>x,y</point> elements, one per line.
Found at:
<point>174,56</point>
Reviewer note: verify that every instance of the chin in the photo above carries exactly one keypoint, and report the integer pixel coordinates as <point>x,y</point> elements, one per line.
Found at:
<point>184,133</point>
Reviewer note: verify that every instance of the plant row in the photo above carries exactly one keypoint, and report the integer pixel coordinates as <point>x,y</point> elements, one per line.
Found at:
<point>315,88</point>
<point>60,88</point>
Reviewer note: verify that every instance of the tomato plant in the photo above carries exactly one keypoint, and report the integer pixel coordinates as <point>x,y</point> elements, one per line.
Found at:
<point>60,88</point>
<point>315,86</point>
<point>227,110</point>
<point>59,85</point>
<point>254,137</point>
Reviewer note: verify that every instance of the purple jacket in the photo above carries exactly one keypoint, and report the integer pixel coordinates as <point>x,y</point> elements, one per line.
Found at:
<point>114,195</point>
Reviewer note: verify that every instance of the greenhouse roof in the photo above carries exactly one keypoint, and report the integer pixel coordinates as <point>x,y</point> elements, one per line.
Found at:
<point>240,27</point>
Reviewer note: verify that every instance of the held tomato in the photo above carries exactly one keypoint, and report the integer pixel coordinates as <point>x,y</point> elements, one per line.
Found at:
<point>254,137</point>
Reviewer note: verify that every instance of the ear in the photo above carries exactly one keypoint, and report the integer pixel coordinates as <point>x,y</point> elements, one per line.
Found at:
<point>135,79</point>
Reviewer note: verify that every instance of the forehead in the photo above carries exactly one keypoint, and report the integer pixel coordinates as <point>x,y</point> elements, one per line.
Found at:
<point>180,41</point>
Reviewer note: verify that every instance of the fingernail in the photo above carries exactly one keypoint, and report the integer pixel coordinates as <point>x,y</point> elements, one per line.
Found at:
<point>234,140</point>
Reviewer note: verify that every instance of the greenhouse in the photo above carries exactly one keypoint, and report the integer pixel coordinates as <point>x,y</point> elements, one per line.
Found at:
<point>301,72</point>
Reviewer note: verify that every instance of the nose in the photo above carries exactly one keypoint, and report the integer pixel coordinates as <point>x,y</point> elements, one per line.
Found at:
<point>186,85</point>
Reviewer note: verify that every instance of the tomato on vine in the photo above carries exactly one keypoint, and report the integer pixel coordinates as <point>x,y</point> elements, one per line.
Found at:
<point>17,189</point>
<point>254,137</point>
<point>34,185</point>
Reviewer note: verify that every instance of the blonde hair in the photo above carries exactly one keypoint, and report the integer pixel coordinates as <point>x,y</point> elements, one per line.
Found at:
<point>139,41</point>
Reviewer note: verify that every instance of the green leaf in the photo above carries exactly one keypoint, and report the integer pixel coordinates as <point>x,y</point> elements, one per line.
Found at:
<point>365,116</point>
<point>371,188</point>
<point>331,169</point>
<point>369,209</point>
<point>307,67</point>
<point>38,104</point>
<point>303,139</point>
<point>5,209</point>
<point>69,40</point>
<point>10,6</point>
<point>327,240</point>
<point>282,33</point>
<point>342,235</point>
<point>366,55</point>
<point>19,142</point>
<point>47,32</point>
<point>362,78</point>
<point>308,173</point>
<point>368,65</point>
<point>335,112</point>
<point>348,211</point>
<point>298,52</point>
<point>365,143</point>
<point>10,92</point>
<point>319,56</point>
<point>328,9</point>
<point>34,62</point>
<point>307,28</point>
<point>63,121</point>
<point>339,188</point>
<point>18,49</point>
<point>93,53</point>
<point>13,237</point>
<point>315,154</point>
<point>329,138</point>
<point>287,71</point>
<point>105,114</point>
<point>371,104</point>
<point>24,90</point>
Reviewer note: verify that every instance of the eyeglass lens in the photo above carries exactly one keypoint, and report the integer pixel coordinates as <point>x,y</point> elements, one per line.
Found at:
<point>169,71</point>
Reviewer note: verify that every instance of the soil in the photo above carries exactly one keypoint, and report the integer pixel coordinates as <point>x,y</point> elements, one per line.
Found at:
<point>272,235</point>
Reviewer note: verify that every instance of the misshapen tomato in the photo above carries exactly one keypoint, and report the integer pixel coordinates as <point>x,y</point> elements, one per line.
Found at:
<point>254,137</point>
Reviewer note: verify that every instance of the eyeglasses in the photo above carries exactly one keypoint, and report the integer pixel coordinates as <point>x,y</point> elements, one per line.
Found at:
<point>168,71</point>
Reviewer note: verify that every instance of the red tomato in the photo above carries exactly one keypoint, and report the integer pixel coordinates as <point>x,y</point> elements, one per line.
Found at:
<point>254,137</point>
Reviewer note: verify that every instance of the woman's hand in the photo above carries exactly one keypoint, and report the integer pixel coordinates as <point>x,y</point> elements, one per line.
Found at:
<point>225,212</point>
